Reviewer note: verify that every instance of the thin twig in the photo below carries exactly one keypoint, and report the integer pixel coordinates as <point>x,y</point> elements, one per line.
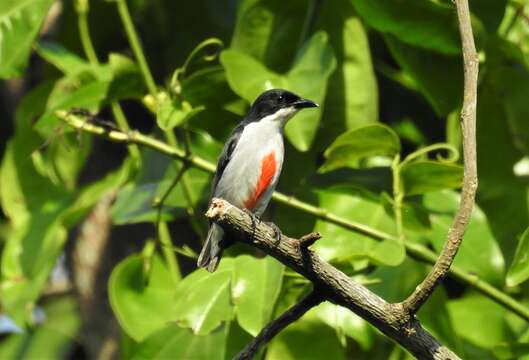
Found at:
<point>470,180</point>
<point>416,251</point>
<point>273,328</point>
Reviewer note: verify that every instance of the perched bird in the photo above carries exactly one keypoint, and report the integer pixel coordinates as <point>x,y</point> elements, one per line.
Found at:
<point>250,163</point>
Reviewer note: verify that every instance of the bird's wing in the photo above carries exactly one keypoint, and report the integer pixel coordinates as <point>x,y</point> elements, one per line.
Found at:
<point>226,155</point>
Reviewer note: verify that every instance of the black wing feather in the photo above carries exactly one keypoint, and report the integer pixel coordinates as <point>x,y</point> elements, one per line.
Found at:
<point>226,154</point>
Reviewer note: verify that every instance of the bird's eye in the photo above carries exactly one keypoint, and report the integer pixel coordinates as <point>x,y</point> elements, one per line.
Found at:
<point>280,98</point>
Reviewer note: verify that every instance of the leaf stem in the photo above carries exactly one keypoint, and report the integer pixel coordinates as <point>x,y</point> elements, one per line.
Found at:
<point>168,252</point>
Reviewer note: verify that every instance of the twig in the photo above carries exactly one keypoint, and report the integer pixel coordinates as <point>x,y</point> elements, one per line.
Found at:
<point>416,251</point>
<point>313,299</point>
<point>308,240</point>
<point>337,287</point>
<point>470,180</point>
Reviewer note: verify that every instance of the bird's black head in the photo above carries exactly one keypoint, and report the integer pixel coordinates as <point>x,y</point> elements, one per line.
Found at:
<point>271,101</point>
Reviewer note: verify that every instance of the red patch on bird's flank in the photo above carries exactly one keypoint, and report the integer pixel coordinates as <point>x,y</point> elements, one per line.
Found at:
<point>268,170</point>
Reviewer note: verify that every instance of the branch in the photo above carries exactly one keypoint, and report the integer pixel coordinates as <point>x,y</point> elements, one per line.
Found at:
<point>274,327</point>
<point>416,251</point>
<point>390,319</point>
<point>470,180</point>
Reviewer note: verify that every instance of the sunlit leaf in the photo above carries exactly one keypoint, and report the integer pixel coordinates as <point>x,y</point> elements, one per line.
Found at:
<point>255,288</point>
<point>361,143</point>
<point>141,308</point>
<point>20,21</point>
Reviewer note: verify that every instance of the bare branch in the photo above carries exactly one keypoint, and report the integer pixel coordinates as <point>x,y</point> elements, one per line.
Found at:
<point>308,240</point>
<point>274,327</point>
<point>470,181</point>
<point>391,319</point>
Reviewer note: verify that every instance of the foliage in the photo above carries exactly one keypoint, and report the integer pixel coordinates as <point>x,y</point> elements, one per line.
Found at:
<point>382,151</point>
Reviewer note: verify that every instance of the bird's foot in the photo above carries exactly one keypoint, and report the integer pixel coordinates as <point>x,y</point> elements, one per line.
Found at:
<point>277,231</point>
<point>255,221</point>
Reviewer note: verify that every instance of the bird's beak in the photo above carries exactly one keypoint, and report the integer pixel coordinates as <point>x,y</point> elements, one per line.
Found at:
<point>304,103</point>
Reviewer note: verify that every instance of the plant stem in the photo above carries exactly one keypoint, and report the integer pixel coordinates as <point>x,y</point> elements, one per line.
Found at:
<point>168,252</point>
<point>416,251</point>
<point>89,50</point>
<point>134,41</point>
<point>398,196</point>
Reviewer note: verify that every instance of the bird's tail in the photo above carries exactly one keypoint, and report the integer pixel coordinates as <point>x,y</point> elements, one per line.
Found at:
<point>212,250</point>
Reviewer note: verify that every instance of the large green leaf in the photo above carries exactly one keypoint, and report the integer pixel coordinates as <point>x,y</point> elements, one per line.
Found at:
<point>264,26</point>
<point>439,77</point>
<point>308,77</point>
<point>519,270</point>
<point>306,339</point>
<point>141,307</point>
<point>427,24</point>
<point>175,342</point>
<point>255,288</point>
<point>420,177</point>
<point>360,143</point>
<point>490,12</point>
<point>67,62</point>
<point>352,98</point>
<point>202,300</point>
<point>480,321</point>
<point>20,21</point>
<point>339,244</point>
<point>479,252</point>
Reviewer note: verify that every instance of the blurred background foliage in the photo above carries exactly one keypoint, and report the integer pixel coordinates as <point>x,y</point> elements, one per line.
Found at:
<point>98,257</point>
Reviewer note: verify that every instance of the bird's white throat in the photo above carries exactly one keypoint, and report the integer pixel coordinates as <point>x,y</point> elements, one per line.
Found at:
<point>281,116</point>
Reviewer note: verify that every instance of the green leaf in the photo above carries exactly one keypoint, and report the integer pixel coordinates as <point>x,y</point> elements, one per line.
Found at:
<point>339,245</point>
<point>20,21</point>
<point>490,12</point>
<point>255,289</point>
<point>479,252</point>
<point>515,350</point>
<point>354,181</point>
<point>203,299</point>
<point>262,27</point>
<point>174,342</point>
<point>67,62</point>
<point>519,270</point>
<point>480,321</point>
<point>127,81</point>
<point>346,323</point>
<point>360,143</point>
<point>352,98</point>
<point>305,339</point>
<point>141,308</point>
<point>423,176</point>
<point>308,77</point>
<point>439,77</point>
<point>427,24</point>
<point>171,114</point>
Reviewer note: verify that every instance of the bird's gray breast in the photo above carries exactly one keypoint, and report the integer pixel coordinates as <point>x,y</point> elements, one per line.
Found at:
<point>240,178</point>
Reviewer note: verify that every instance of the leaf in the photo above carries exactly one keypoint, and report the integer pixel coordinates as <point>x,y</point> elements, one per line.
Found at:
<point>127,81</point>
<point>263,26</point>
<point>490,12</point>
<point>427,24</point>
<point>360,143</point>
<point>67,62</point>
<point>141,308</point>
<point>439,77</point>
<point>339,244</point>
<point>352,98</point>
<point>20,21</point>
<point>174,342</point>
<point>423,176</point>
<point>479,252</point>
<point>514,350</point>
<point>171,114</point>
<point>354,181</point>
<point>305,339</point>
<point>346,323</point>
<point>203,299</point>
<point>255,288</point>
<point>308,77</point>
<point>480,321</point>
<point>519,270</point>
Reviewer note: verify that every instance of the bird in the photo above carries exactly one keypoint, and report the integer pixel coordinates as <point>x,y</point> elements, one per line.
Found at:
<point>250,163</point>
